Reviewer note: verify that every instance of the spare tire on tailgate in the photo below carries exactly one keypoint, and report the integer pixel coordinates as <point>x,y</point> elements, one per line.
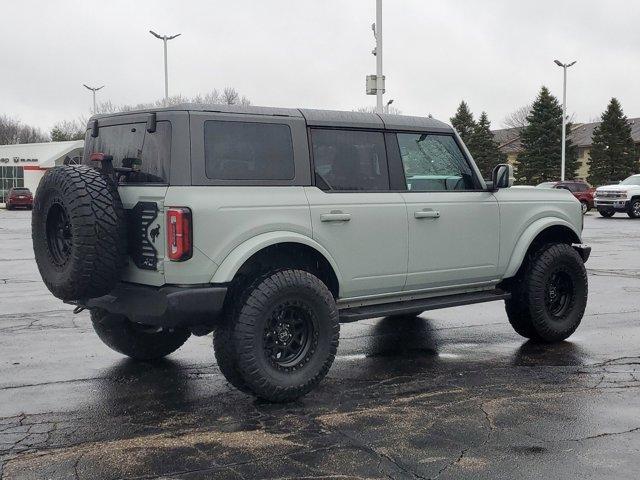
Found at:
<point>79,232</point>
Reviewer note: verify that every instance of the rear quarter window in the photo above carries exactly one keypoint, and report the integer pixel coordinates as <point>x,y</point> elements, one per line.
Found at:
<point>248,151</point>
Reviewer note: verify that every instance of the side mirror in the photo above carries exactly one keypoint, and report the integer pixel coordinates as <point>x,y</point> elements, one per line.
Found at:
<point>502,176</point>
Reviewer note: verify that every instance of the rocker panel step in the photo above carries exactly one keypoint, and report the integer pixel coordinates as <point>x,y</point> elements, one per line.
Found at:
<point>422,305</point>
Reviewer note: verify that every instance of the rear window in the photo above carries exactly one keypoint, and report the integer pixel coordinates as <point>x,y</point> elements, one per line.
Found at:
<point>248,151</point>
<point>16,189</point>
<point>132,146</point>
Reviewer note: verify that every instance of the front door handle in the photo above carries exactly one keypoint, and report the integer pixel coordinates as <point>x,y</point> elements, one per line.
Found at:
<point>426,213</point>
<point>335,216</point>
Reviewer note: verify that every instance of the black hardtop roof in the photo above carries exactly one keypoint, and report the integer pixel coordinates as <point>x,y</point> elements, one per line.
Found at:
<point>335,118</point>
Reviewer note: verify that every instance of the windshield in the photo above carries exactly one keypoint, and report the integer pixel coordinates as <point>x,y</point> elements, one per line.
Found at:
<point>546,185</point>
<point>132,146</point>
<point>633,180</point>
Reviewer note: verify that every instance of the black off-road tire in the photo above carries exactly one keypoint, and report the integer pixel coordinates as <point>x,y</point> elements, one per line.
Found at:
<point>85,256</point>
<point>550,294</point>
<point>633,210</point>
<point>136,341</point>
<point>244,343</point>
<point>606,213</point>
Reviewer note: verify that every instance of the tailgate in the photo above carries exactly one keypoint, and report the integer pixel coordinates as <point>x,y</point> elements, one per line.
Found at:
<point>144,206</point>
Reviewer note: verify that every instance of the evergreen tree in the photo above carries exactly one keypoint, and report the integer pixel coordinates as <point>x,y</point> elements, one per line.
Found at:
<point>540,160</point>
<point>484,148</point>
<point>463,121</point>
<point>68,130</point>
<point>613,153</point>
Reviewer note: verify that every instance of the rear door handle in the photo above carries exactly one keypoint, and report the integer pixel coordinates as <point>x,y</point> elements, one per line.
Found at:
<point>426,213</point>
<point>335,216</point>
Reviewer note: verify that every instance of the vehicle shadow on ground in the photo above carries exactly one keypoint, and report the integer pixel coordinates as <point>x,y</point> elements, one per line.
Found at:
<point>536,354</point>
<point>131,387</point>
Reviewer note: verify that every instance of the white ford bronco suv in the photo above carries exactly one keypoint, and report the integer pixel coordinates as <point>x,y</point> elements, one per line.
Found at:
<point>270,226</point>
<point>621,197</point>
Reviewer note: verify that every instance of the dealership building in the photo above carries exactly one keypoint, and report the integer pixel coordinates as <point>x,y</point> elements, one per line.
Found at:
<point>23,165</point>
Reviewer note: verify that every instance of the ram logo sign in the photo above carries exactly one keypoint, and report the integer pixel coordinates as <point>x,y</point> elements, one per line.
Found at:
<point>18,160</point>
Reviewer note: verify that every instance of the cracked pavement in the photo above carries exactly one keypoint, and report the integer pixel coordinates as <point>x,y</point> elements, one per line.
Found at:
<point>453,393</point>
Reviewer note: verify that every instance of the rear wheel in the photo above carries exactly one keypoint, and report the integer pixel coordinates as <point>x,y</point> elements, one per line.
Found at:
<point>585,206</point>
<point>550,296</point>
<point>633,210</point>
<point>137,341</point>
<point>606,213</point>
<point>281,337</point>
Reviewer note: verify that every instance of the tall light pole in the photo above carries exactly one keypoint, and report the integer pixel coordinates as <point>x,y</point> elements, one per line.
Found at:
<point>164,39</point>
<point>379,77</point>
<point>564,113</point>
<point>94,90</point>
<point>388,105</point>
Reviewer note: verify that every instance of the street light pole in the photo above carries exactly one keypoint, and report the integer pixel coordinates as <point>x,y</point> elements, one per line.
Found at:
<point>564,113</point>
<point>388,105</point>
<point>164,39</point>
<point>379,78</point>
<point>93,90</point>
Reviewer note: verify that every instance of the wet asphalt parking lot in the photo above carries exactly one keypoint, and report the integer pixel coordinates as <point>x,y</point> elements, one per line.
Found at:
<point>453,393</point>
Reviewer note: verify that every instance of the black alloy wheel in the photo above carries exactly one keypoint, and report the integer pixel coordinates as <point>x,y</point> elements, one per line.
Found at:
<point>559,294</point>
<point>290,335</point>
<point>59,236</point>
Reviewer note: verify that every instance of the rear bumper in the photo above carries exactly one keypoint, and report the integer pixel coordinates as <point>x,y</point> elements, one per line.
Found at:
<point>166,306</point>
<point>20,202</point>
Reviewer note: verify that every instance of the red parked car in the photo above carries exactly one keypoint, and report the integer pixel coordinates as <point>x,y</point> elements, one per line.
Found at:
<point>580,189</point>
<point>19,197</point>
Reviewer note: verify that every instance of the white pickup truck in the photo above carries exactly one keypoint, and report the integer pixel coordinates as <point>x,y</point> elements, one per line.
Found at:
<point>620,197</point>
<point>269,227</point>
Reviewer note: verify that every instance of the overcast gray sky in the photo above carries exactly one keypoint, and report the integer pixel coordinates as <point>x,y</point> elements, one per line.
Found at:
<point>495,54</point>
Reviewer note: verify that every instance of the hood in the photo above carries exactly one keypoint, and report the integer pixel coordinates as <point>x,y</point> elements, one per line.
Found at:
<point>616,188</point>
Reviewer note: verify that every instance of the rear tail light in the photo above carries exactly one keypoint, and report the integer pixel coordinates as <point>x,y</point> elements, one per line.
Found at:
<point>179,234</point>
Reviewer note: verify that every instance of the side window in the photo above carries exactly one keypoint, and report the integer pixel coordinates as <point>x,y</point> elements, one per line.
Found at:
<point>350,160</point>
<point>248,151</point>
<point>434,162</point>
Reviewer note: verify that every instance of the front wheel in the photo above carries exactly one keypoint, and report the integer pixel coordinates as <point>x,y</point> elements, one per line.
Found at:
<point>606,213</point>
<point>634,208</point>
<point>550,296</point>
<point>280,337</point>
<point>137,341</point>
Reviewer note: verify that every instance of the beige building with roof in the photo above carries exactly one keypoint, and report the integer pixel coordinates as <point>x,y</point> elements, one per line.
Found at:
<point>581,135</point>
<point>23,165</point>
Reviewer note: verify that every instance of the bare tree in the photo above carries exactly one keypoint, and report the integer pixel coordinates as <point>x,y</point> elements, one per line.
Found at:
<point>75,129</point>
<point>13,131</point>
<point>517,118</point>
<point>230,96</point>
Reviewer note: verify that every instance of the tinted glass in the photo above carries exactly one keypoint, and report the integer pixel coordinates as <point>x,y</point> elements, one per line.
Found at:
<point>434,162</point>
<point>248,151</point>
<point>632,180</point>
<point>350,160</point>
<point>10,177</point>
<point>132,146</point>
